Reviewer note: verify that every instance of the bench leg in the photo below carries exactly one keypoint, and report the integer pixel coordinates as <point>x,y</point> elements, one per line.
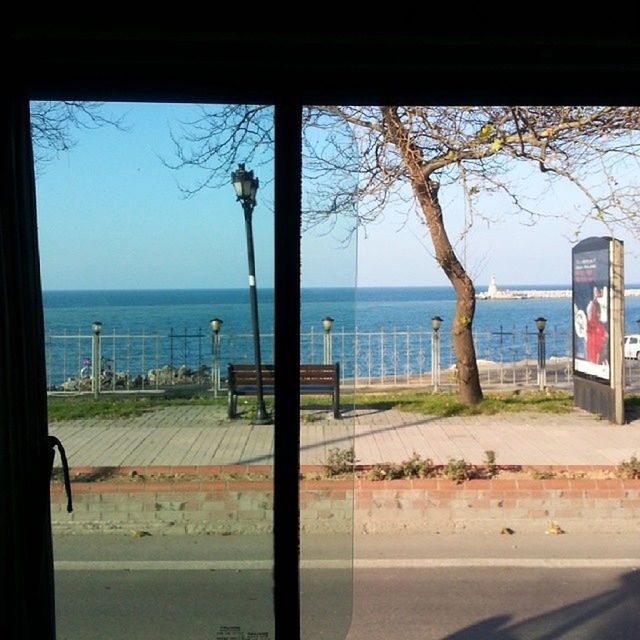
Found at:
<point>231,406</point>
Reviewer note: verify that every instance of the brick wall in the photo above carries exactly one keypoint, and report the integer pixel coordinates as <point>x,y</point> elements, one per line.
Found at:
<point>228,506</point>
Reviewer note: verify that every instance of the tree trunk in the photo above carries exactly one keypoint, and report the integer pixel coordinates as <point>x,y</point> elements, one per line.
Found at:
<point>461,327</point>
<point>426,192</point>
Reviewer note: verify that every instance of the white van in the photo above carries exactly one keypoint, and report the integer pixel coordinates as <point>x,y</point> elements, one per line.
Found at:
<point>632,346</point>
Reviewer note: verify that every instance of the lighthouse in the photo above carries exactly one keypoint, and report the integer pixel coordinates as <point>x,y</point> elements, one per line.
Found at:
<point>492,291</point>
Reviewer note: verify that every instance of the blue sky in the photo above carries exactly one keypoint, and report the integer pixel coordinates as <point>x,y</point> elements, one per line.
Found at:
<point>111,216</point>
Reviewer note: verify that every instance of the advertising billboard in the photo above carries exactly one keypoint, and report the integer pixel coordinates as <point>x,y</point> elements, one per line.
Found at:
<point>591,308</point>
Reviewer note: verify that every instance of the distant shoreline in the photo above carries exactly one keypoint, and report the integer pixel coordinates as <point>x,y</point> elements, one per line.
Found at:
<point>516,294</point>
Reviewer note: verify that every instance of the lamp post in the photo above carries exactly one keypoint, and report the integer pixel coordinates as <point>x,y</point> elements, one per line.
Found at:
<point>246,187</point>
<point>436,323</point>
<point>542,371</point>
<point>216,325</point>
<point>327,323</point>
<point>96,328</point>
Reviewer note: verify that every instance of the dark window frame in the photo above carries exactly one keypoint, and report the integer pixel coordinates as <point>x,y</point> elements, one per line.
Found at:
<point>207,67</point>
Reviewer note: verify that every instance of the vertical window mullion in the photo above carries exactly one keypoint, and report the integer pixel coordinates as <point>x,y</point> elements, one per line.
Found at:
<point>288,194</point>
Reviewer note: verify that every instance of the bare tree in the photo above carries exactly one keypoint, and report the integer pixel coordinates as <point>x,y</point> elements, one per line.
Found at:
<point>53,124</point>
<point>358,160</point>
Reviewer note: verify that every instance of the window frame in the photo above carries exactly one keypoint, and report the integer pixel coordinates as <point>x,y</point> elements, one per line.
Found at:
<point>287,71</point>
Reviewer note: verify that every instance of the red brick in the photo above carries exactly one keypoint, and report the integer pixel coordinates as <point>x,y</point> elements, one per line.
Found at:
<point>234,468</point>
<point>612,484</point>
<point>582,484</point>
<point>159,470</point>
<point>447,485</point>
<point>183,468</point>
<point>248,485</point>
<point>177,486</point>
<point>425,483</point>
<point>503,485</point>
<point>209,469</point>
<point>264,469</point>
<point>368,485</point>
<point>317,485</point>
<point>558,483</point>
<point>477,484</point>
<point>529,483</point>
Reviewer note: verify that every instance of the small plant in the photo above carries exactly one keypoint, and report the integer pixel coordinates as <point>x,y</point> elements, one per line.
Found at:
<point>458,470</point>
<point>543,475</point>
<point>252,411</point>
<point>416,467</point>
<point>385,471</point>
<point>629,469</point>
<point>339,461</point>
<point>490,466</point>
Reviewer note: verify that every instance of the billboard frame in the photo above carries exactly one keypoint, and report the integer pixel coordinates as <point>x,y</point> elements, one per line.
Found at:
<point>598,326</point>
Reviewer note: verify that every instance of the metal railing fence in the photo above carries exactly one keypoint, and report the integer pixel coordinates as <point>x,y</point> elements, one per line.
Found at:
<point>155,360</point>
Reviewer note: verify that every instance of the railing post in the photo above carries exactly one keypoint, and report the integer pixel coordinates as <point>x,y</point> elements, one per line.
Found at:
<point>114,361</point>
<point>216,325</point>
<point>408,358</point>
<point>436,323</point>
<point>96,328</point>
<point>382,355</point>
<point>542,373</point>
<point>327,355</point>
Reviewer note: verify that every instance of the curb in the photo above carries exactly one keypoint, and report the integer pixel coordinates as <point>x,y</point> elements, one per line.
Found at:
<point>214,502</point>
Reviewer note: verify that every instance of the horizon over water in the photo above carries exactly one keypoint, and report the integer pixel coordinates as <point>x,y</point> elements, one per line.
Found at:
<point>368,308</point>
<point>161,324</point>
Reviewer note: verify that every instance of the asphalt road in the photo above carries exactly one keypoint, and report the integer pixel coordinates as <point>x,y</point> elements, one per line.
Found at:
<point>409,587</point>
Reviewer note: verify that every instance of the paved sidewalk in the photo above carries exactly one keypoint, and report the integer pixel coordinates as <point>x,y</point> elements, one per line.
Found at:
<point>201,435</point>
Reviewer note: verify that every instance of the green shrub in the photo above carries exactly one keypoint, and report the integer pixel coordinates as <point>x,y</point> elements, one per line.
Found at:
<point>490,467</point>
<point>340,461</point>
<point>458,470</point>
<point>629,469</point>
<point>416,467</point>
<point>385,471</point>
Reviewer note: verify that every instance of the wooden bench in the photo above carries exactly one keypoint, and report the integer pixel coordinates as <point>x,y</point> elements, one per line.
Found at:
<point>315,379</point>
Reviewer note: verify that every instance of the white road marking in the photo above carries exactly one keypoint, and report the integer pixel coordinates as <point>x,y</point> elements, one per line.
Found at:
<point>389,563</point>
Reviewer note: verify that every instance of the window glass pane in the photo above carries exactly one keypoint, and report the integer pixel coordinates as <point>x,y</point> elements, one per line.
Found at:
<point>143,244</point>
<point>518,491</point>
<point>329,341</point>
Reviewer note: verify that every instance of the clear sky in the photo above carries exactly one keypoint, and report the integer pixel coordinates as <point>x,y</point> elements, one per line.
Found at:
<point>111,216</point>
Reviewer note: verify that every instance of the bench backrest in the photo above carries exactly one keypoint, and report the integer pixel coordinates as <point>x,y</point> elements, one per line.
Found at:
<point>318,374</point>
<point>328,374</point>
<point>245,374</point>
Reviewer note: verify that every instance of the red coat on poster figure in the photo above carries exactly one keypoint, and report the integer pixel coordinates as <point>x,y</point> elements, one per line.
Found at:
<point>596,330</point>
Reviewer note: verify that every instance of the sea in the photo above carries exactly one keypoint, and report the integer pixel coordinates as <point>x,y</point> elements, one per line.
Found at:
<point>143,329</point>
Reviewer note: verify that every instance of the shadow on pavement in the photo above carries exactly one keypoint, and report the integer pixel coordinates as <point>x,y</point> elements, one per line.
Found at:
<point>612,615</point>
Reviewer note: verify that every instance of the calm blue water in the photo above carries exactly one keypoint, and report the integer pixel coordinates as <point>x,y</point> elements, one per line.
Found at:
<point>368,308</point>
<point>160,312</point>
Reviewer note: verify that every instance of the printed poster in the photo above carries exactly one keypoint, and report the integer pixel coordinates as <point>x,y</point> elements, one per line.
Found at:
<point>591,288</point>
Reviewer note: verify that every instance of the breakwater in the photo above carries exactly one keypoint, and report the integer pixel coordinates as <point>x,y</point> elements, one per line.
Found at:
<point>515,294</point>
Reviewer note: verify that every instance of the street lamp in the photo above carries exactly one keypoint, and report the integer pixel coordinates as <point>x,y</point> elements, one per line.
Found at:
<point>246,187</point>
<point>96,328</point>
<point>216,325</point>
<point>541,323</point>
<point>327,323</point>
<point>436,323</point>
